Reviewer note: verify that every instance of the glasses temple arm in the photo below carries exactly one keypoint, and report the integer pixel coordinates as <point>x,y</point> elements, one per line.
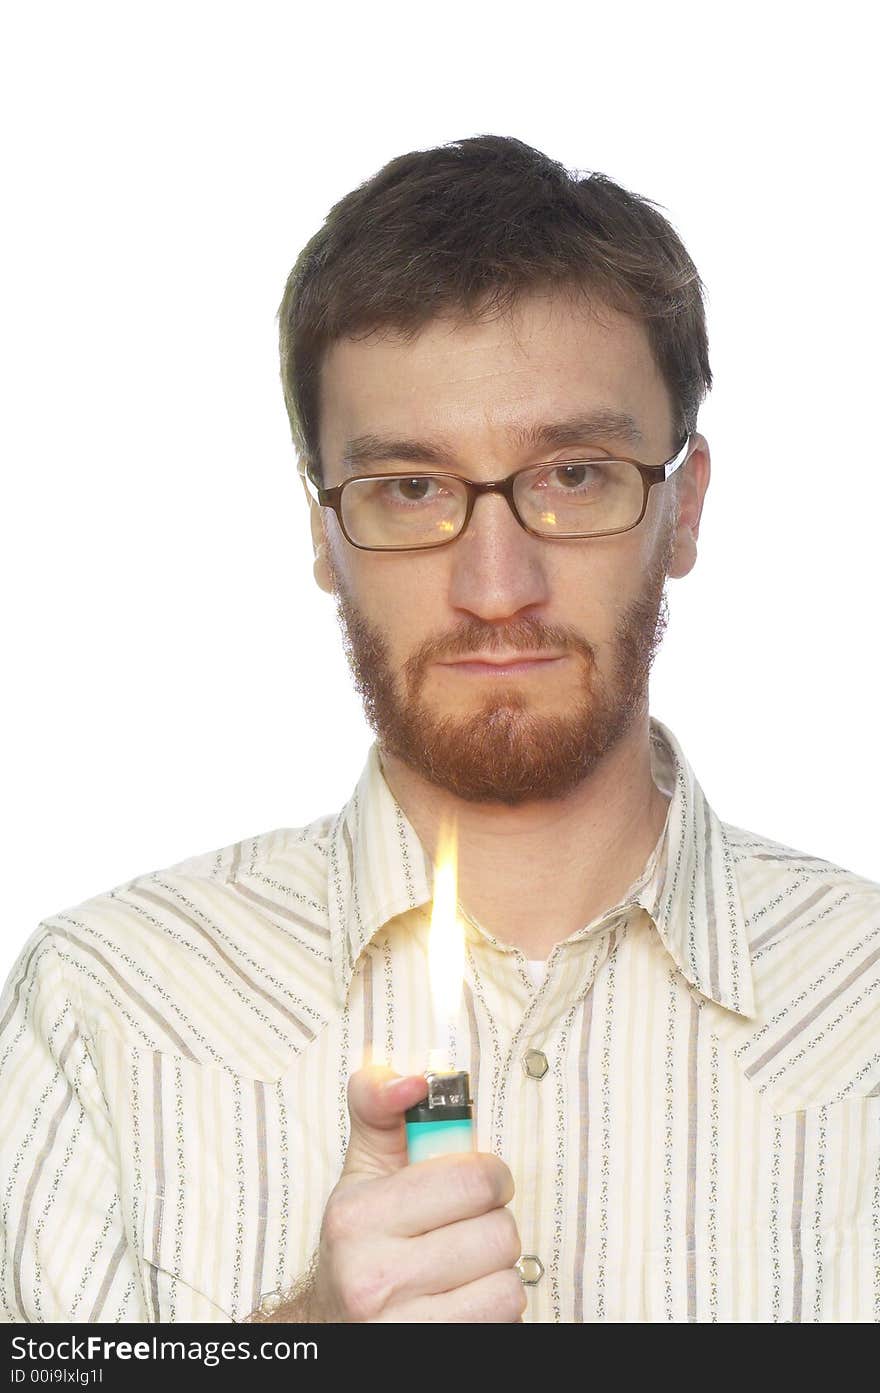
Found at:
<point>677,460</point>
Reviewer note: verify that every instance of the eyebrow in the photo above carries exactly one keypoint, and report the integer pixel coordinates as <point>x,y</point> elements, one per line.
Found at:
<point>603,423</point>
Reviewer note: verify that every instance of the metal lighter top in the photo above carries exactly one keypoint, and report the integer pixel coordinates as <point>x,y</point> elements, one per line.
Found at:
<point>443,1122</point>
<point>448,1099</point>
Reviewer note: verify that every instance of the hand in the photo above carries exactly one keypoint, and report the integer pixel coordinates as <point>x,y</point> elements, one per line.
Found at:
<point>422,1242</point>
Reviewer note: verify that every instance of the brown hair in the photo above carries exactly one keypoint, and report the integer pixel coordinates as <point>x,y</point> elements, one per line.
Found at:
<point>469,227</point>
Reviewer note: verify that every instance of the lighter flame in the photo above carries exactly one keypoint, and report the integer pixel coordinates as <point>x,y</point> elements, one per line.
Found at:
<point>445,946</point>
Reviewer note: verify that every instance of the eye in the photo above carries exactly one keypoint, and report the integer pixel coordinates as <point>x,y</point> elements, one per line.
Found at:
<point>412,491</point>
<point>572,474</point>
<point>416,489</point>
<point>569,476</point>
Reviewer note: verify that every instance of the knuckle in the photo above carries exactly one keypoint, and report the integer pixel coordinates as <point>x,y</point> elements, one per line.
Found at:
<point>500,1180</point>
<point>498,1298</point>
<point>478,1183</point>
<point>364,1292</point>
<point>508,1240</point>
<point>340,1220</point>
<point>503,1181</point>
<point>512,1295</point>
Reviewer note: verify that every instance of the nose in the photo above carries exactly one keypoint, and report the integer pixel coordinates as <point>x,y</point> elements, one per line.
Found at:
<point>497,568</point>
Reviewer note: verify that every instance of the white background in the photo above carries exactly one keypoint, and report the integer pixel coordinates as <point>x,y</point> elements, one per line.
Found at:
<point>174,679</point>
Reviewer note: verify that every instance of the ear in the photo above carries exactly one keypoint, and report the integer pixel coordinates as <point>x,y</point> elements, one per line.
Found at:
<point>692,485</point>
<point>321,568</point>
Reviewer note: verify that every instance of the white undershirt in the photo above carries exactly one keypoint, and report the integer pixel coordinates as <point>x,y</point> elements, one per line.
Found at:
<point>537,967</point>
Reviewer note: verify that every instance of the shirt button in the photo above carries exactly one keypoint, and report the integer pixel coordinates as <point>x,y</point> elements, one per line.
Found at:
<point>535,1064</point>
<point>530,1269</point>
<point>270,1302</point>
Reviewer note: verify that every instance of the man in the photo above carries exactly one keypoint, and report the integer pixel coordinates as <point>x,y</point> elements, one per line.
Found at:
<point>493,370</point>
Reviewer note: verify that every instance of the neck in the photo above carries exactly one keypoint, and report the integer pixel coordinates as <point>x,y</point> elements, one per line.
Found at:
<point>533,875</point>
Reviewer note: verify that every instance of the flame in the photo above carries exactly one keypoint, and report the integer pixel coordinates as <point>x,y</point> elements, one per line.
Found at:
<point>445,945</point>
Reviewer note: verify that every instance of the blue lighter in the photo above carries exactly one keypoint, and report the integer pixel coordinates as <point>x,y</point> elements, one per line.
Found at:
<point>443,1123</point>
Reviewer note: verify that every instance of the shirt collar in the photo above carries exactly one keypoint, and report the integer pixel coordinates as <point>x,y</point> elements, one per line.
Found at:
<point>378,869</point>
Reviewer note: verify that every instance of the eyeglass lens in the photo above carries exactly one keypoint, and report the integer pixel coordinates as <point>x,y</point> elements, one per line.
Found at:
<point>573,498</point>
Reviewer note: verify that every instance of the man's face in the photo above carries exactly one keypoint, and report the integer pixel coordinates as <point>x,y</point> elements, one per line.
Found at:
<point>591,611</point>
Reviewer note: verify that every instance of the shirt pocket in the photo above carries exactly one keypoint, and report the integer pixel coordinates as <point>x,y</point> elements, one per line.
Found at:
<point>804,1249</point>
<point>203,1257</point>
<point>780,1275</point>
<point>223,1179</point>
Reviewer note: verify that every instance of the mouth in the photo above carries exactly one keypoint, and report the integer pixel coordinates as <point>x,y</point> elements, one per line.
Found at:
<point>505,667</point>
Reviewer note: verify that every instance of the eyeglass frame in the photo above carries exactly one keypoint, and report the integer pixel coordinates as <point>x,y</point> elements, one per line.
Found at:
<point>651,474</point>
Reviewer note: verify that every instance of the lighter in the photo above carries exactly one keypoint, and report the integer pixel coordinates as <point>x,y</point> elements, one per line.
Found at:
<point>443,1123</point>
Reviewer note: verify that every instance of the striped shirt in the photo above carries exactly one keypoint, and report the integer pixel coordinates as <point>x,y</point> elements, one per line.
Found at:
<point>688,1100</point>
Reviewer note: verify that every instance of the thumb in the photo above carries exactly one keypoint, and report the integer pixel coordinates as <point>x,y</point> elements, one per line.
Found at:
<point>377,1101</point>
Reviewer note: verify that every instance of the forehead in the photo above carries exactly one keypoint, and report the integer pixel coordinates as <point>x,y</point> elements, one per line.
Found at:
<point>475,382</point>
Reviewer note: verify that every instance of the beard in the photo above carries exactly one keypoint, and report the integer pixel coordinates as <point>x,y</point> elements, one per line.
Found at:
<point>503,752</point>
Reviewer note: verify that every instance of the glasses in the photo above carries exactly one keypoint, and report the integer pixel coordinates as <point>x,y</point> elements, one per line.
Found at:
<point>568,498</point>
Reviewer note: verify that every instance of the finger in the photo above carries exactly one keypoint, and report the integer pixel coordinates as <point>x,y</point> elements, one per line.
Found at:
<point>431,1194</point>
<point>377,1102</point>
<point>499,1298</point>
<point>457,1254</point>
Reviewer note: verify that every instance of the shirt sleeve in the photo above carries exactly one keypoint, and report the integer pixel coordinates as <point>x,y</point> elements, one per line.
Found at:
<point>65,1254</point>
